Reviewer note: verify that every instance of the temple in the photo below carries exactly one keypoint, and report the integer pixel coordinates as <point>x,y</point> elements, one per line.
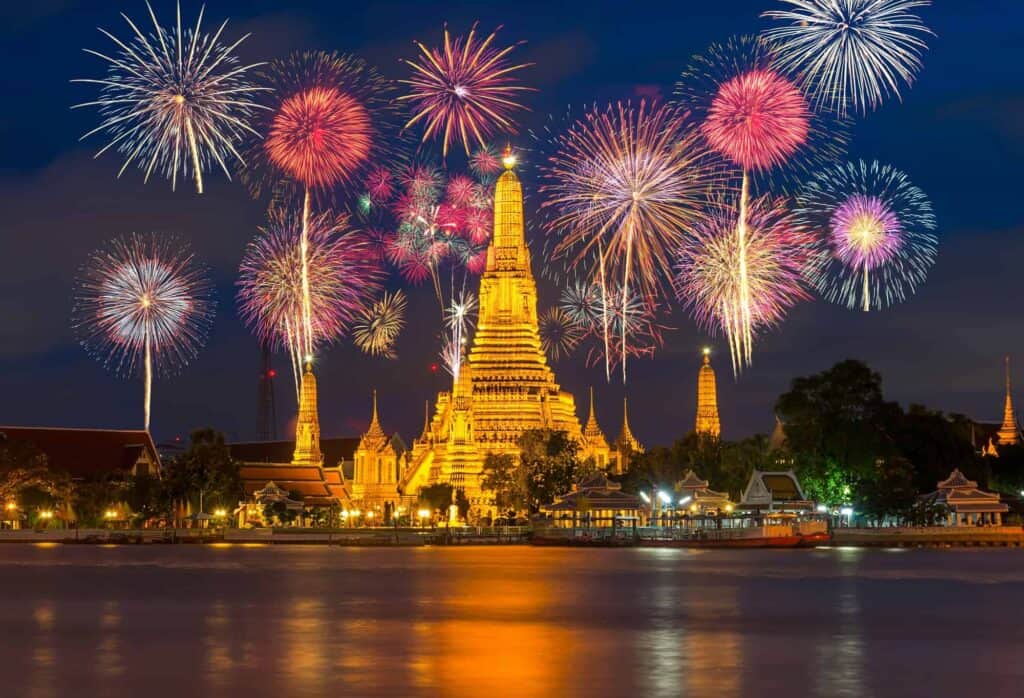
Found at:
<point>505,385</point>
<point>1009,433</point>
<point>626,446</point>
<point>707,423</point>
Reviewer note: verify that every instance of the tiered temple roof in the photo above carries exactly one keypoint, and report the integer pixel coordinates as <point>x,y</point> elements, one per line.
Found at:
<point>707,423</point>
<point>505,386</point>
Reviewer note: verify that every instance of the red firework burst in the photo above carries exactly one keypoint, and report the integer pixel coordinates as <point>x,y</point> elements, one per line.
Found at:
<point>319,135</point>
<point>325,119</point>
<point>380,185</point>
<point>464,90</point>
<point>757,119</point>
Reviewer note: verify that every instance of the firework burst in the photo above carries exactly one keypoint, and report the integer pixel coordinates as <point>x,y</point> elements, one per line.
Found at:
<point>879,229</point>
<point>459,320</point>
<point>624,187</point>
<point>855,52</point>
<point>143,299</point>
<point>758,117</point>
<point>378,325</point>
<point>780,254</point>
<point>302,296</point>
<point>174,101</point>
<point>465,90</point>
<point>559,334</point>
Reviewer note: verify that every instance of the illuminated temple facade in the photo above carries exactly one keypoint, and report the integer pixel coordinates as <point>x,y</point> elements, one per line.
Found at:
<point>707,423</point>
<point>505,385</point>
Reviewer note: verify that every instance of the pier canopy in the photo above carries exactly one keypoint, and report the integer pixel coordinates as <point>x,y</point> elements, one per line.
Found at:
<point>594,502</point>
<point>696,497</point>
<point>777,491</point>
<point>965,503</point>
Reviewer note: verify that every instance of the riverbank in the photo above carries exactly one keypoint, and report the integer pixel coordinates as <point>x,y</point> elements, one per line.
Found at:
<point>1004,537</point>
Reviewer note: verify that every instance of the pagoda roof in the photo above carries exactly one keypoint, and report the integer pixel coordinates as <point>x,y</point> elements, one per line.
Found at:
<point>84,453</point>
<point>691,481</point>
<point>336,450</point>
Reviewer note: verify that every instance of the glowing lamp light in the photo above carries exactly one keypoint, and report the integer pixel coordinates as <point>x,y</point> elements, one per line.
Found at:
<point>369,514</point>
<point>344,514</point>
<point>110,514</point>
<point>46,514</point>
<point>685,500</point>
<point>729,508</point>
<point>822,508</point>
<point>424,513</point>
<point>11,506</point>
<point>846,511</point>
<point>707,351</point>
<point>643,496</point>
<point>220,513</point>
<point>663,496</point>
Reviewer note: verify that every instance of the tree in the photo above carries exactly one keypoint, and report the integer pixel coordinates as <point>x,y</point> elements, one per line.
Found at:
<point>890,491</point>
<point>205,473</point>
<point>503,477</point>
<point>550,465</point>
<point>437,496</point>
<point>838,419</point>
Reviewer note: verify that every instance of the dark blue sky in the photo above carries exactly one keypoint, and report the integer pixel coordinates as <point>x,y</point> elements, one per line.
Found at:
<point>959,134</point>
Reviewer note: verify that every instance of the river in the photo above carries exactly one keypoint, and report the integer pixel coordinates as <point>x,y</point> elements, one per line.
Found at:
<point>183,621</point>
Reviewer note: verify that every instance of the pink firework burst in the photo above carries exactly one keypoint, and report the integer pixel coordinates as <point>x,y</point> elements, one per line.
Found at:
<point>865,232</point>
<point>485,163</point>
<point>781,254</point>
<point>380,185</point>
<point>460,190</point>
<point>343,277</point>
<point>758,119</point>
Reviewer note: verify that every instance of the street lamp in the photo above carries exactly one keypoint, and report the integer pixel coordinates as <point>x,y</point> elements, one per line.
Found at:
<point>424,514</point>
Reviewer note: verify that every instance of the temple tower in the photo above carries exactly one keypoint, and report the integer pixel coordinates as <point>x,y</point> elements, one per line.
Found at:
<point>1009,434</point>
<point>505,385</point>
<point>375,471</point>
<point>707,400</point>
<point>595,445</point>
<point>627,445</point>
<point>307,427</point>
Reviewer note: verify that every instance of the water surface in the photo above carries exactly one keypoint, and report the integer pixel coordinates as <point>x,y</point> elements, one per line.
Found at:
<point>182,621</point>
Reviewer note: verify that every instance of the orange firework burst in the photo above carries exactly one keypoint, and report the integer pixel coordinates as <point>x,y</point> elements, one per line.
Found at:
<point>320,135</point>
<point>325,122</point>
<point>464,90</point>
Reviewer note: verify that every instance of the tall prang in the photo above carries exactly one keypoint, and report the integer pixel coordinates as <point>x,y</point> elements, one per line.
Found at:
<point>506,385</point>
<point>307,427</point>
<point>707,423</point>
<point>1009,433</point>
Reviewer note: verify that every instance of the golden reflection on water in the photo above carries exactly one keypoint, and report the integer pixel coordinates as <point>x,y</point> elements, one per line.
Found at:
<point>109,663</point>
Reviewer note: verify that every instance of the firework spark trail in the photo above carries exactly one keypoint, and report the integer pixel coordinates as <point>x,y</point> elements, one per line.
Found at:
<point>781,254</point>
<point>759,119</point>
<point>143,297</point>
<point>324,127</point>
<point>336,266</point>
<point>586,312</point>
<point>174,100</point>
<point>879,228</point>
<point>464,89</point>
<point>625,185</point>
<point>854,53</point>
<point>459,320</point>
<point>379,325</point>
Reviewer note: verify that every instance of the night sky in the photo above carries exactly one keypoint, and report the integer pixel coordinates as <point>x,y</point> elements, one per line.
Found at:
<point>959,134</point>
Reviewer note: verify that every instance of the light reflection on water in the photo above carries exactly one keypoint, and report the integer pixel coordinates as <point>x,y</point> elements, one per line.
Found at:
<point>310,621</point>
